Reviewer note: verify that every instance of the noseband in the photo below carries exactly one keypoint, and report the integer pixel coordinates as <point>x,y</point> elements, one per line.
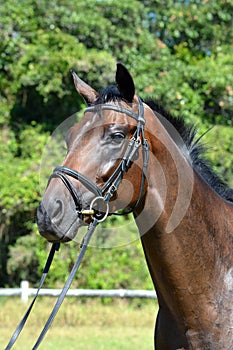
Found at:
<point>110,187</point>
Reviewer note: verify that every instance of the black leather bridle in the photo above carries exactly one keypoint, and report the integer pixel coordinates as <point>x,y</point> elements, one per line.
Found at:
<point>110,187</point>
<point>103,194</point>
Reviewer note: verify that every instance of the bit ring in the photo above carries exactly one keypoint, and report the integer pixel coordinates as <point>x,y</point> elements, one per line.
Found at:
<point>106,205</point>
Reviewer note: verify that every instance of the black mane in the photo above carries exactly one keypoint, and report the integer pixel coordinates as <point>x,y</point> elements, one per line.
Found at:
<point>196,152</point>
<point>188,135</point>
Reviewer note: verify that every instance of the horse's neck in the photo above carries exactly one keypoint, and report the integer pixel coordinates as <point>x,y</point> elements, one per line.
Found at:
<point>201,235</point>
<point>188,252</point>
<point>181,214</point>
<point>191,269</point>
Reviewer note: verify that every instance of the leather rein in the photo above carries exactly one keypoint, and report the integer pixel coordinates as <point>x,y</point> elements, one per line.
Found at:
<point>103,194</point>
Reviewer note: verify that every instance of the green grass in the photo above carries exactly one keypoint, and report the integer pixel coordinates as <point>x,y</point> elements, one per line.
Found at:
<point>80,325</point>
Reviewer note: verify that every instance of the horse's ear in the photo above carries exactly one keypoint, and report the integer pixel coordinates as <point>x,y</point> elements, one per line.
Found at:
<point>125,83</point>
<point>86,91</point>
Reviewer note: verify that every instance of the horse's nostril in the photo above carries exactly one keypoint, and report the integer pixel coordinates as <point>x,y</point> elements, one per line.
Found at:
<point>57,212</point>
<point>58,207</point>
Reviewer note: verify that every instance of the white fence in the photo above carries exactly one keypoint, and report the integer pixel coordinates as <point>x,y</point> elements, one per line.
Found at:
<point>25,292</point>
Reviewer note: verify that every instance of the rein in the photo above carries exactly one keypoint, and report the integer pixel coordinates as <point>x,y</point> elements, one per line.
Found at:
<point>104,195</point>
<point>54,248</point>
<point>62,295</point>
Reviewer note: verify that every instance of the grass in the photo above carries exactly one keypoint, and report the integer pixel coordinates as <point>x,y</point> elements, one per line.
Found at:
<point>84,324</point>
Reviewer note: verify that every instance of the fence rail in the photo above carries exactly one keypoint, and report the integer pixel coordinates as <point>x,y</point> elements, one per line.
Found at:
<point>25,292</point>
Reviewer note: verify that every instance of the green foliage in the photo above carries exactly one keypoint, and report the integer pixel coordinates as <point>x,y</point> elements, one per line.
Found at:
<point>179,52</point>
<point>19,167</point>
<point>221,153</point>
<point>22,264</point>
<point>203,25</point>
<point>102,268</point>
<point>19,192</point>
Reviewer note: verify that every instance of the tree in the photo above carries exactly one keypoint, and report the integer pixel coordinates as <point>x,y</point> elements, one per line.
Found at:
<point>202,25</point>
<point>180,52</point>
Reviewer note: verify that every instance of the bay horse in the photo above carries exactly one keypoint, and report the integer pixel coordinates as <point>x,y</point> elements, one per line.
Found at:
<point>183,211</point>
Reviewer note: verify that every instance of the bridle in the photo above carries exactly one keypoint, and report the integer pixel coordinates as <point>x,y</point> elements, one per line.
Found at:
<point>103,194</point>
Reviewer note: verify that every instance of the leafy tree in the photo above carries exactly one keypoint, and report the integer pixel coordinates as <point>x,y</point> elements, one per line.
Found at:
<point>120,267</point>
<point>19,191</point>
<point>202,25</point>
<point>180,52</point>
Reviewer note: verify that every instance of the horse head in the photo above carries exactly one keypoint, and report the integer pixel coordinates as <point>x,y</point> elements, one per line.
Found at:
<point>103,169</point>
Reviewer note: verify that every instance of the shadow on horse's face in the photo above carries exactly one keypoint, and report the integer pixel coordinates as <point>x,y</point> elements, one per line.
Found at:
<point>95,147</point>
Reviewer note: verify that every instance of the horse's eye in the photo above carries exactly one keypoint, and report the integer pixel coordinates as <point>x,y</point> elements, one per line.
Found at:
<point>118,137</point>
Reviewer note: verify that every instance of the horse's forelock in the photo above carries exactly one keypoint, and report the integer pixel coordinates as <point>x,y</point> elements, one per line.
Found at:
<point>109,94</point>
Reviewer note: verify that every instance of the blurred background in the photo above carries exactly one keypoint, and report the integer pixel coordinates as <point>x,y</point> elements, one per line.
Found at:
<point>179,52</point>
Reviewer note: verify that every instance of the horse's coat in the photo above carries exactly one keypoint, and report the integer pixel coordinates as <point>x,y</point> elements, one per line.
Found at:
<point>185,216</point>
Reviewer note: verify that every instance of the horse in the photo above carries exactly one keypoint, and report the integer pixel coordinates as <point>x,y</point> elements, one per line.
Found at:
<point>147,162</point>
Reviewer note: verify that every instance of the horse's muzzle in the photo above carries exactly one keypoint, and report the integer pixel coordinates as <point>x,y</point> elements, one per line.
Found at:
<point>48,224</point>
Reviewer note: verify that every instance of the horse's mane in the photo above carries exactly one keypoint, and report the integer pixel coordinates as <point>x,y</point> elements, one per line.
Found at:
<point>188,134</point>
<point>196,150</point>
